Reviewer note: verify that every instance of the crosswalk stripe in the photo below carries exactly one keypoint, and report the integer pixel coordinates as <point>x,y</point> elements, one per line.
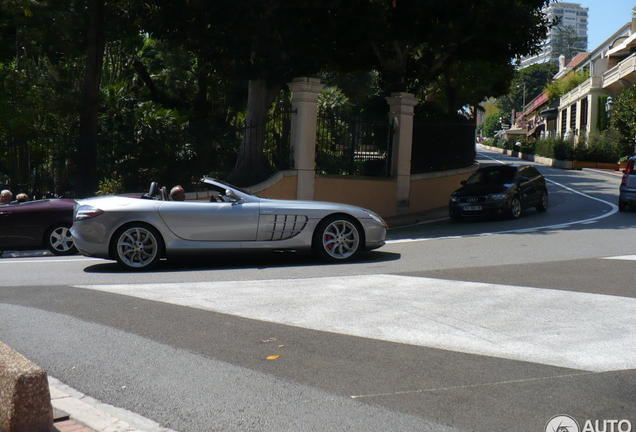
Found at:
<point>570,329</point>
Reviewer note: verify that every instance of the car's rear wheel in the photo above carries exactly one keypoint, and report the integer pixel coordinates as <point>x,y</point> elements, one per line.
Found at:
<point>543,205</point>
<point>138,247</point>
<point>337,238</point>
<point>622,205</point>
<point>515,208</point>
<point>59,241</point>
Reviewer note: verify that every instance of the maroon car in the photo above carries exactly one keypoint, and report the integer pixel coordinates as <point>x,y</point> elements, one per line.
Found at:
<point>38,224</point>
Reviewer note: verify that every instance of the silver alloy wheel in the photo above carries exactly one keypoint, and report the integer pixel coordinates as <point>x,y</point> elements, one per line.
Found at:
<point>515,208</point>
<point>340,239</point>
<point>137,247</point>
<point>60,241</point>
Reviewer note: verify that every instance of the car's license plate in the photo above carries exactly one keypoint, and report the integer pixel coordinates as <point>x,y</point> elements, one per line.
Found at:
<point>472,208</point>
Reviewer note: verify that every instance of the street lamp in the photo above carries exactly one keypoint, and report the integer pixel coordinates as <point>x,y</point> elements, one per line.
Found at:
<point>524,96</point>
<point>609,105</point>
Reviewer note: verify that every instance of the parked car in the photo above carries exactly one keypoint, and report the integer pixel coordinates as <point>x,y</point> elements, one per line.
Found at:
<point>627,190</point>
<point>39,224</point>
<point>499,190</point>
<point>137,233</point>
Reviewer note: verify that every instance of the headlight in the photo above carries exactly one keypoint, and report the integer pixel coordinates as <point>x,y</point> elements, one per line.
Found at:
<point>496,197</point>
<point>86,212</point>
<point>453,198</point>
<point>376,218</point>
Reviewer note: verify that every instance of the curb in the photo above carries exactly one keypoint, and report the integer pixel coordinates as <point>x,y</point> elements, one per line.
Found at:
<point>98,416</point>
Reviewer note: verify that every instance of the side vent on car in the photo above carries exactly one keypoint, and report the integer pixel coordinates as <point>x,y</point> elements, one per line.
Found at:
<point>283,227</point>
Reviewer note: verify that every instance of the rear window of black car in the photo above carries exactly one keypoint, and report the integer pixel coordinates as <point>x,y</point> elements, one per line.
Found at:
<point>531,172</point>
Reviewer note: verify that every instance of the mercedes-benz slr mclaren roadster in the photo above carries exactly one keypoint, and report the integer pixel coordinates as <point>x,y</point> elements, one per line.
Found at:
<point>138,232</point>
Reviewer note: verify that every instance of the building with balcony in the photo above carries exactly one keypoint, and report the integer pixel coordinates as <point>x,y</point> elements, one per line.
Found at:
<point>611,68</point>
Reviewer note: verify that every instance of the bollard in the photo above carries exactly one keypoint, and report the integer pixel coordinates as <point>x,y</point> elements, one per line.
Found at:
<point>25,399</point>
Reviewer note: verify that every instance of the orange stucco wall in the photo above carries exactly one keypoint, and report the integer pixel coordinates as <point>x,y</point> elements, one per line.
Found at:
<point>375,194</point>
<point>430,191</point>
<point>278,187</point>
<point>427,191</point>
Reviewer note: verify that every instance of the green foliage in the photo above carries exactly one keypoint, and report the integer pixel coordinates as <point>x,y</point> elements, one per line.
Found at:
<point>602,122</point>
<point>602,147</point>
<point>111,186</point>
<point>555,148</point>
<point>331,99</point>
<point>491,125</point>
<point>173,89</point>
<point>624,119</point>
<point>568,43</point>
<point>558,88</point>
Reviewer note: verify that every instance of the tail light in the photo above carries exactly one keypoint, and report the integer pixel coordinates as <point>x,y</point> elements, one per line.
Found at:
<point>628,170</point>
<point>87,212</point>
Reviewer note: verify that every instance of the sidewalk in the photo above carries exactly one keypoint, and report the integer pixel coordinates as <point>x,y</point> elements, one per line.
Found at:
<point>76,412</point>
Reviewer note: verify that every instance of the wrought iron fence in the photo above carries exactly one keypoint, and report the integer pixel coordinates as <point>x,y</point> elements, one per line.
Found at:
<point>353,145</point>
<point>439,146</point>
<point>38,168</point>
<point>271,138</point>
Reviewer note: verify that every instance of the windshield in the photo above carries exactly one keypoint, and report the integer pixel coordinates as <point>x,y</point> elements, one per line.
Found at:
<point>494,176</point>
<point>212,186</point>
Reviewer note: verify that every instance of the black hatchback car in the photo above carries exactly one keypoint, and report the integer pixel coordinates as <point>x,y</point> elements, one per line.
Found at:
<point>500,190</point>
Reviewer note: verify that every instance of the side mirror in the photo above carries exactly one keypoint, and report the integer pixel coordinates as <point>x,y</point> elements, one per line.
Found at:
<point>463,182</point>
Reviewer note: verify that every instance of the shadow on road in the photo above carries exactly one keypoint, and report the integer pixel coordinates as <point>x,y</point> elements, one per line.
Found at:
<point>243,261</point>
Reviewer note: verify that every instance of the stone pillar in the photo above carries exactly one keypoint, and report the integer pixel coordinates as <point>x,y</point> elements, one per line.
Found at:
<point>303,133</point>
<point>402,109</point>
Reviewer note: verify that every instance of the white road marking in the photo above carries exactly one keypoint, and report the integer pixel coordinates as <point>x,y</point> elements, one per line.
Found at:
<point>554,327</point>
<point>52,260</point>
<point>622,257</point>
<point>467,386</point>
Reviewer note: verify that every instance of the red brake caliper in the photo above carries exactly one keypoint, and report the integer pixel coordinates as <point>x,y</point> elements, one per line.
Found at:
<point>329,237</point>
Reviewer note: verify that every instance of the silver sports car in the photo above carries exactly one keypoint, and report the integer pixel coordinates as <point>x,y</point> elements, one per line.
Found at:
<point>138,232</point>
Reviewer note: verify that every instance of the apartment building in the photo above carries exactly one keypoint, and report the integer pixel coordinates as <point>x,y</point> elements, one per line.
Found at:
<point>568,14</point>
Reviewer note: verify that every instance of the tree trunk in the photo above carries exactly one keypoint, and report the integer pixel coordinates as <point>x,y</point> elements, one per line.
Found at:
<point>89,108</point>
<point>251,165</point>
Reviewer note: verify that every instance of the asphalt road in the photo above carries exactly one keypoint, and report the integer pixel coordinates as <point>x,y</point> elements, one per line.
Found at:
<point>480,326</point>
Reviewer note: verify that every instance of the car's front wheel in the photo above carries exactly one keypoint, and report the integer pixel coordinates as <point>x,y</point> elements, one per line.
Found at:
<point>138,247</point>
<point>515,208</point>
<point>59,241</point>
<point>455,217</point>
<point>543,204</point>
<point>337,238</point>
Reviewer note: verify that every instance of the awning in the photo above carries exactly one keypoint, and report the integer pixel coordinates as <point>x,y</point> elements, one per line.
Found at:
<point>540,100</point>
<point>550,112</point>
<point>537,128</point>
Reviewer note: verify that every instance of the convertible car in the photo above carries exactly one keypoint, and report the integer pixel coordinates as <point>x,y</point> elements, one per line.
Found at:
<point>138,232</point>
<point>38,224</point>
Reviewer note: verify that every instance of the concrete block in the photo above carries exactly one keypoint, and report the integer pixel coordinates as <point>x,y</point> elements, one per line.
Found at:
<point>25,400</point>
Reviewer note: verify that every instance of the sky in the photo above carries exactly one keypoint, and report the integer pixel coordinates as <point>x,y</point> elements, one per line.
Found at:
<point>604,18</point>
